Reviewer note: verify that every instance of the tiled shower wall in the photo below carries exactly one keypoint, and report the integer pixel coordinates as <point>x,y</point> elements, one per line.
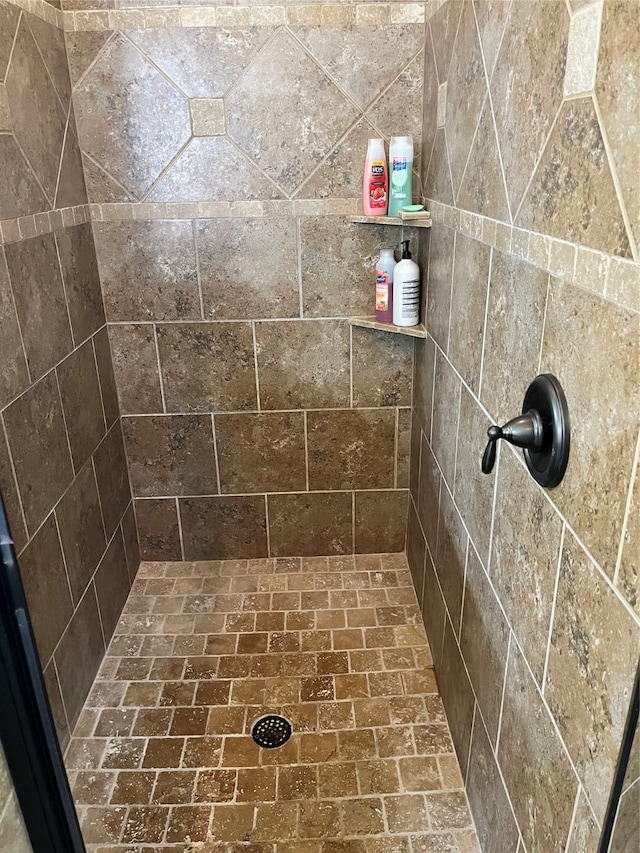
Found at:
<point>530,596</point>
<point>13,835</point>
<point>62,466</point>
<point>223,151</point>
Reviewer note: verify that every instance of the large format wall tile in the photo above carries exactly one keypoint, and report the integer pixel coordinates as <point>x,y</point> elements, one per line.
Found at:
<point>81,280</point>
<point>310,524</point>
<point>444,26</point>
<point>14,376</point>
<point>20,192</point>
<point>381,368</point>
<point>234,286</point>
<point>261,452</point>
<point>113,478</point>
<point>159,529</point>
<point>603,396</point>
<point>628,581</point>
<point>9,17</point>
<point>81,403</point>
<point>450,557</point>
<point>491,16</point>
<point>130,119</point>
<point>303,364</point>
<point>148,270</point>
<point>429,490</point>
<point>112,584</point>
<point>446,411</point>
<point>40,302</point>
<point>482,189</point>
<point>207,366</point>
<point>135,364</point>
<point>224,528</point>
<point>380,521</point>
<point>593,657</point>
<point>170,455</point>
<point>457,695</point>
<point>441,252</point>
<point>39,448</point>
<point>11,498</point>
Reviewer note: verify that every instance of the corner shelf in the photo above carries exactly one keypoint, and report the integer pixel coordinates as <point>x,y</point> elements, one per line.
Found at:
<point>372,323</point>
<point>390,220</point>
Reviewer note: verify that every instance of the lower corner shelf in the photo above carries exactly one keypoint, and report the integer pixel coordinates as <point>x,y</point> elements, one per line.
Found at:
<point>372,323</point>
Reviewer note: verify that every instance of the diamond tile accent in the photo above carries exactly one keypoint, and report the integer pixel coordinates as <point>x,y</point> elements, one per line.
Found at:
<point>131,120</point>
<point>9,16</point>
<point>286,93</point>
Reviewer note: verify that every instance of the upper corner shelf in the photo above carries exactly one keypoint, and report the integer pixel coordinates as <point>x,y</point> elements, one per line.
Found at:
<point>372,323</point>
<point>391,220</point>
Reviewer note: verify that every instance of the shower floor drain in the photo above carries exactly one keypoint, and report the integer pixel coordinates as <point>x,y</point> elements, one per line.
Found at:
<point>271,731</point>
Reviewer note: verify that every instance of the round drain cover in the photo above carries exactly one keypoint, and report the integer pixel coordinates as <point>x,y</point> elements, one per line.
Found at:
<point>271,731</point>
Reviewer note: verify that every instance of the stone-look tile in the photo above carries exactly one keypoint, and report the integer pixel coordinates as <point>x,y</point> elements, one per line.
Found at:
<point>303,364</point>
<point>83,48</point>
<point>130,119</point>
<point>13,833</point>
<point>196,175</point>
<point>261,452</point>
<point>582,51</point>
<point>46,587</point>
<point>457,695</point>
<point>446,411</point>
<point>592,662</point>
<point>382,367</point>
<point>9,491</point>
<point>82,403</point>
<point>81,280</point>
<point>338,276</point>
<point>450,557</point>
<point>170,455</point>
<point>380,521</point>
<point>37,116</point>
<point>513,338</point>
<point>20,193</point>
<point>526,103</point>
<point>436,174</point>
<point>233,286</point>
<point>57,705</point>
<point>601,390</point>
<point>105,375</point>
<point>468,307</point>
<point>627,580</point>
<point>585,832</point>
<point>81,531</point>
<point>112,585</point>
<point>619,98</point>
<point>9,17</point>
<point>466,92</point>
<point>575,156</point>
<point>204,62</point>
<point>491,16</point>
<point>364,60</point>
<point>424,366</point>
<point>79,654</point>
<point>494,820</point>
<point>131,545</point>
<point>40,303</point>
<point>534,765</point>
<point>441,252</point>
<point>14,376</point>
<point>310,524</point>
<point>484,641</point>
<point>148,270</point>
<point>403,448</point>
<point>135,364</point>
<point>351,449</point>
<point>39,449</point>
<point>431,103</point>
<point>101,187</point>
<point>285,89</point>
<point>50,41</point>
<point>524,557</point>
<point>207,366</point>
<point>110,465</point>
<point>340,174</point>
<point>400,106</point>
<point>626,826</point>
<point>428,505</point>
<point>482,189</point>
<point>444,26</point>
<point>416,551</point>
<point>72,189</point>
<point>159,530</point>
<point>224,528</point>
<point>474,490</point>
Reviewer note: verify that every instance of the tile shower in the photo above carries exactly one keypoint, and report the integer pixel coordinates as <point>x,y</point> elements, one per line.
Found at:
<point>187,388</point>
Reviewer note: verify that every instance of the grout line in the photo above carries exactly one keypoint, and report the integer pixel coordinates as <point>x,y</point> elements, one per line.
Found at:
<point>64,420</point>
<point>64,563</point>
<point>635,475</point>
<point>503,693</point>
<point>17,316</point>
<point>299,266</point>
<point>95,480</point>
<point>395,447</point>
<point>544,322</point>
<point>197,255</point>
<point>15,477</point>
<point>95,361</point>
<point>353,522</point>
<point>574,815</point>
<point>160,379</point>
<point>267,525</point>
<point>179,517</point>
<point>545,671</point>
<point>95,593</point>
<point>486,321</point>
<point>215,452</point>
<point>255,363</point>
<point>306,449</point>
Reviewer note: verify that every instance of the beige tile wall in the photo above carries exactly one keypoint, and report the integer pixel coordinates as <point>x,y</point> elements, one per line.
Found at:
<point>62,467</point>
<point>222,163</point>
<point>531,597</point>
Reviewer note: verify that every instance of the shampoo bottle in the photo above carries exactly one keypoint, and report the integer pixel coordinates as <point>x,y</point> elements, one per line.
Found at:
<point>406,290</point>
<point>400,172</point>
<point>375,184</point>
<point>384,286</point>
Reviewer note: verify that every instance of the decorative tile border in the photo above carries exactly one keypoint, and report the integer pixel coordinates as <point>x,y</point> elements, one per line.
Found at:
<point>14,230</point>
<point>225,209</point>
<point>244,16</point>
<point>614,279</point>
<point>41,9</point>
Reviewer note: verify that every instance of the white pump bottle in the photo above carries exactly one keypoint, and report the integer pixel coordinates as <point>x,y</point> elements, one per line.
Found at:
<point>406,290</point>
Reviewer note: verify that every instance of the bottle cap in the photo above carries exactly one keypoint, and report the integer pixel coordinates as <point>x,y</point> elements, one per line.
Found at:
<point>406,254</point>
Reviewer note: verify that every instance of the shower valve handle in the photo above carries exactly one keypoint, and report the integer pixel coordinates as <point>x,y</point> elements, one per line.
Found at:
<point>525,431</point>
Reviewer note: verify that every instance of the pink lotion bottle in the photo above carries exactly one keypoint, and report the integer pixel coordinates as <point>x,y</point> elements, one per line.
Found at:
<point>375,186</point>
<point>384,286</point>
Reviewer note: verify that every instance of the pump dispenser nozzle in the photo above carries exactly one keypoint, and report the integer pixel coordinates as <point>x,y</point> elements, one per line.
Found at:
<point>406,254</point>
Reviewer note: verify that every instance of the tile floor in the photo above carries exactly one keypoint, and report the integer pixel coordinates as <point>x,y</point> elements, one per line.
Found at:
<point>162,759</point>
